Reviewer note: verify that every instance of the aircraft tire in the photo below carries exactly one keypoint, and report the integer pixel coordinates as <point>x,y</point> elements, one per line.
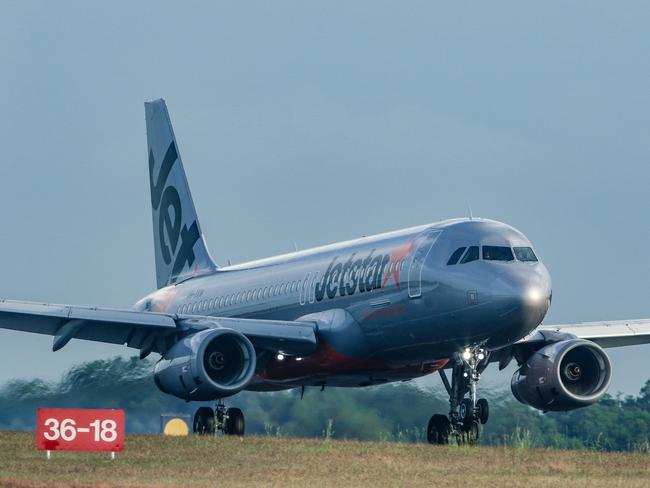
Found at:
<point>483,410</point>
<point>466,413</point>
<point>438,430</point>
<point>204,422</point>
<point>235,424</point>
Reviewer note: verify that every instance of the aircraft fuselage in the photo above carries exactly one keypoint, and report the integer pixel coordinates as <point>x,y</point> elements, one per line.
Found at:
<point>403,311</point>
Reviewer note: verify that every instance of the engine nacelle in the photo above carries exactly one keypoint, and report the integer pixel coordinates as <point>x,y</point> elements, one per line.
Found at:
<point>563,376</point>
<point>211,364</point>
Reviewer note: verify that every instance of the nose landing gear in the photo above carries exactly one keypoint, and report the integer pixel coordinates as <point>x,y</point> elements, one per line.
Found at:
<point>230,421</point>
<point>465,414</point>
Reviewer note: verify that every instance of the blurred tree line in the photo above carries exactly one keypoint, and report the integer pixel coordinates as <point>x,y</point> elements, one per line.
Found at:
<point>394,412</point>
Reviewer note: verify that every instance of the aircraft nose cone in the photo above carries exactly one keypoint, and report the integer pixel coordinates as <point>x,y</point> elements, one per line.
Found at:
<point>521,300</point>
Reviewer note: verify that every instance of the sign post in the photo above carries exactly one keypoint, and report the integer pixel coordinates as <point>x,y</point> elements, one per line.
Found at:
<point>74,429</point>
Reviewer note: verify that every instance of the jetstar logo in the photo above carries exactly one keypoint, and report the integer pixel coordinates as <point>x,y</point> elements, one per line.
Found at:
<point>361,273</point>
<point>166,200</point>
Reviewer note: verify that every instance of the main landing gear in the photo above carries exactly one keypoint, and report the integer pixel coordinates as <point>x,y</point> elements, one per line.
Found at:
<point>208,421</point>
<point>466,414</point>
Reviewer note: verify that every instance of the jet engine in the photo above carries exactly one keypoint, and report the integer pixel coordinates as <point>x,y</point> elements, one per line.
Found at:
<point>563,376</point>
<point>207,365</point>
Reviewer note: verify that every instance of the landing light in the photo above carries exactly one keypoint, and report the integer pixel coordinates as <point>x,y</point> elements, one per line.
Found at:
<point>481,356</point>
<point>534,295</point>
<point>280,357</point>
<point>467,354</point>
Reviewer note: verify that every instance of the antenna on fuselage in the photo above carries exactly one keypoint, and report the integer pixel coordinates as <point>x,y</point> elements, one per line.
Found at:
<point>469,209</point>
<point>295,246</point>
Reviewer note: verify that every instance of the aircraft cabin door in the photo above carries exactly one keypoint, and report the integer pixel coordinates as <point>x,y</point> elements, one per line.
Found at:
<point>423,244</point>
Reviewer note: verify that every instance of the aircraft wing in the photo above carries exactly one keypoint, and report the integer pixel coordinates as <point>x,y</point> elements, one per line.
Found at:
<point>147,331</point>
<point>606,334</point>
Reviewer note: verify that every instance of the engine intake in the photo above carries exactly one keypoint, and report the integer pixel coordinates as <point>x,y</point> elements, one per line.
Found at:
<point>211,364</point>
<point>563,376</point>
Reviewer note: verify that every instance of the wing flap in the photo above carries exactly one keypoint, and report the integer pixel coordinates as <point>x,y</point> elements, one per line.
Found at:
<point>66,322</point>
<point>147,331</point>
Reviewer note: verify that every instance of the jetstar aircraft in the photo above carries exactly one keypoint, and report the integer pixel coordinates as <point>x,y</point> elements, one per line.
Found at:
<point>450,297</point>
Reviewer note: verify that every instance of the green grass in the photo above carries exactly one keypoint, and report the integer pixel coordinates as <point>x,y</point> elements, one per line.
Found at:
<point>267,461</point>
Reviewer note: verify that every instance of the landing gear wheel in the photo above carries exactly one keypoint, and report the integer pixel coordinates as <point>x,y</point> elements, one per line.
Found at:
<point>483,408</point>
<point>204,422</point>
<point>466,413</point>
<point>234,424</point>
<point>438,430</point>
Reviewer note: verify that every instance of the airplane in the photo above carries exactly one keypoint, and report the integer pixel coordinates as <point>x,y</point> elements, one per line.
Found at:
<point>449,297</point>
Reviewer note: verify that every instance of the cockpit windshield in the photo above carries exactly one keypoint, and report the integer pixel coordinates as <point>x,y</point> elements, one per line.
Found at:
<point>525,254</point>
<point>470,255</point>
<point>464,255</point>
<point>456,256</point>
<point>497,253</point>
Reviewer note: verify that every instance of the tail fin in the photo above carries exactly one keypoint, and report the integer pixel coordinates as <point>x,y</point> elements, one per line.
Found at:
<point>180,248</point>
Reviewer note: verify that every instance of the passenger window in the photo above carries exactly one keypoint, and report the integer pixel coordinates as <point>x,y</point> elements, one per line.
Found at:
<point>470,255</point>
<point>456,256</point>
<point>497,253</point>
<point>525,254</point>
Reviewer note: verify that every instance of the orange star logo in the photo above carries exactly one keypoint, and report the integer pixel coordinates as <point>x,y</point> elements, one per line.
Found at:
<point>396,256</point>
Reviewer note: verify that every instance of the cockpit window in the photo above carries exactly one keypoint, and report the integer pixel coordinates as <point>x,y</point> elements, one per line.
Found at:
<point>497,253</point>
<point>456,256</point>
<point>470,255</point>
<point>525,254</point>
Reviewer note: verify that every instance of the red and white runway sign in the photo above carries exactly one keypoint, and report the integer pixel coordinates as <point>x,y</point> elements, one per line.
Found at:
<point>74,429</point>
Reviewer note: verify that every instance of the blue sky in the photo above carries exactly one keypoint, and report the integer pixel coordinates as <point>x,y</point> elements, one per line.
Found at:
<point>320,121</point>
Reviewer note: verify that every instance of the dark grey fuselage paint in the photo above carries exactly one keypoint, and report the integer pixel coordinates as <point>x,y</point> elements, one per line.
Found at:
<point>403,306</point>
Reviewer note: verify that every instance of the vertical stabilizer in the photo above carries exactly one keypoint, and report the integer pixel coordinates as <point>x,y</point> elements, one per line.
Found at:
<point>180,248</point>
